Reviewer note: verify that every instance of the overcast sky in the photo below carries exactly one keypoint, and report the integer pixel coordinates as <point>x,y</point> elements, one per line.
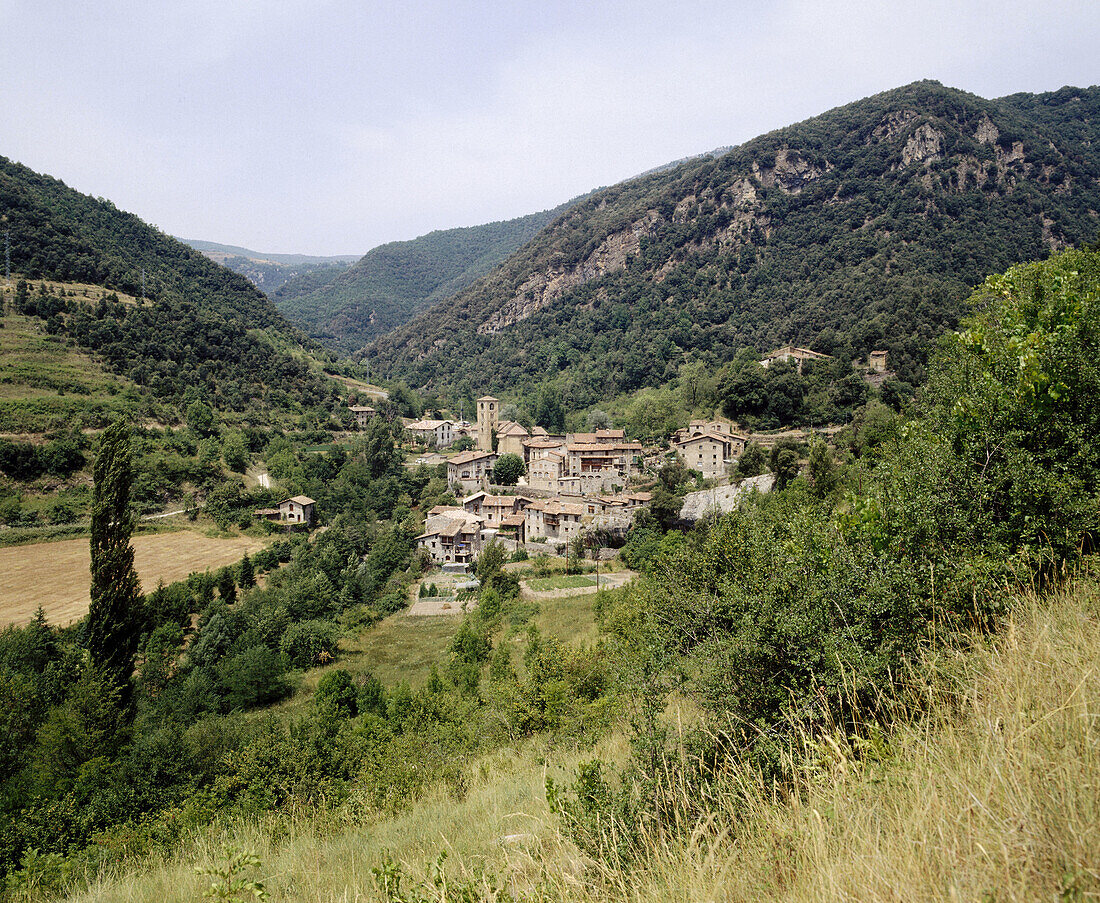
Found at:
<point>331,127</point>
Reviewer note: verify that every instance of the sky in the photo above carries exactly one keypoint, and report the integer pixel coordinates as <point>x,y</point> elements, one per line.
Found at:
<point>333,126</point>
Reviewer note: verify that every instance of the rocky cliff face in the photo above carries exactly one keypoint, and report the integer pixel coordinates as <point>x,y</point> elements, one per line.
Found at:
<point>915,192</point>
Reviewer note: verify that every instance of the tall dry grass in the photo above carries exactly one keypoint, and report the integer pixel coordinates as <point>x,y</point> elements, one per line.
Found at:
<point>501,826</point>
<point>987,790</point>
<point>990,791</point>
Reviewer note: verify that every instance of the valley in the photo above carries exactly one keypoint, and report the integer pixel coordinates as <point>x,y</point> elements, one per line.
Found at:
<point>682,541</point>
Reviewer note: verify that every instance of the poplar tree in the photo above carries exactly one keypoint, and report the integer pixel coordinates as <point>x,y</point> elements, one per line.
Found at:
<point>114,618</point>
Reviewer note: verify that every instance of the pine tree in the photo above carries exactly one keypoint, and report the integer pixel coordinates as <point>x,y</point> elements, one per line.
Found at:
<point>227,586</point>
<point>114,618</point>
<point>247,578</point>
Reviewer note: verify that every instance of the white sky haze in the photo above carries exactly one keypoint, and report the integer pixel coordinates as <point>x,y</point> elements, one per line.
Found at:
<point>331,127</point>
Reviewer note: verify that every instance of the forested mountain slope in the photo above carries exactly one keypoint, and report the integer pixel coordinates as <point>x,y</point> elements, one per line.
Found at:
<point>193,326</point>
<point>861,228</point>
<point>270,272</point>
<point>398,280</point>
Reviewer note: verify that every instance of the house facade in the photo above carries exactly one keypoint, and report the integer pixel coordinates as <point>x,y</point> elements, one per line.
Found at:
<point>297,510</point>
<point>546,471</point>
<point>792,353</point>
<point>510,438</point>
<point>362,414</point>
<point>433,432</point>
<point>494,509</point>
<point>553,520</point>
<point>709,446</point>
<point>611,456</point>
<point>451,536</point>
<point>710,454</point>
<point>470,469</point>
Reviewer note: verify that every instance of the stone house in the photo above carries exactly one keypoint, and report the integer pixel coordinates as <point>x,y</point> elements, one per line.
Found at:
<point>297,510</point>
<point>710,453</point>
<point>553,520</point>
<point>539,446</point>
<point>493,509</point>
<point>451,536</point>
<point>514,527</point>
<point>546,471</point>
<point>432,432</point>
<point>590,457</point>
<point>698,427</point>
<point>362,414</point>
<point>792,353</point>
<point>470,469</point>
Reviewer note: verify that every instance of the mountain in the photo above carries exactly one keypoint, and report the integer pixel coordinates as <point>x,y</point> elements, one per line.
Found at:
<point>862,228</point>
<point>189,328</point>
<point>269,272</point>
<point>395,281</point>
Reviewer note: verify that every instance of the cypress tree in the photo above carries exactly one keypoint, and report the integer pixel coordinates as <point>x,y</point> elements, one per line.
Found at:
<point>114,618</point>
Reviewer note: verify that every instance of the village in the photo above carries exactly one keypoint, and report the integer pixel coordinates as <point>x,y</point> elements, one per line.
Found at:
<point>573,484</point>
<point>566,485</point>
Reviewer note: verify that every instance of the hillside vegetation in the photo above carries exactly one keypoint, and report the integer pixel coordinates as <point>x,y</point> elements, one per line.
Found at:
<point>48,384</point>
<point>197,327</point>
<point>990,790</point>
<point>863,228</point>
<point>398,280</point>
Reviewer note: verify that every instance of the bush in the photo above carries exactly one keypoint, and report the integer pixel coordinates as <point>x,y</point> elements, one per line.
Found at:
<point>309,643</point>
<point>251,678</point>
<point>337,693</point>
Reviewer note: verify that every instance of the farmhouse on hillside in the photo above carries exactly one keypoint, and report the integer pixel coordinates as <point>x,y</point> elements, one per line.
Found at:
<point>362,414</point>
<point>791,353</point>
<point>297,510</point>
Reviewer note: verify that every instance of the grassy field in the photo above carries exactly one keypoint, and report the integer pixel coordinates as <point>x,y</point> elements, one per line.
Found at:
<point>404,648</point>
<point>46,384</point>
<point>56,575</point>
<point>399,648</point>
<point>562,581</point>
<point>501,825</point>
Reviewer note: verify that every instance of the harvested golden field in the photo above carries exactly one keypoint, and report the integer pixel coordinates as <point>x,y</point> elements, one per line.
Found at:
<point>56,575</point>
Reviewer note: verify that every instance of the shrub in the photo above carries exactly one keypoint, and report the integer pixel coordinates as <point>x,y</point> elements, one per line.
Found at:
<point>251,678</point>
<point>336,692</point>
<point>309,643</point>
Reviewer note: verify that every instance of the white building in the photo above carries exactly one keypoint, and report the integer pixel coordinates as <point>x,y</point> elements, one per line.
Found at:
<point>434,432</point>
